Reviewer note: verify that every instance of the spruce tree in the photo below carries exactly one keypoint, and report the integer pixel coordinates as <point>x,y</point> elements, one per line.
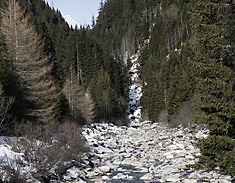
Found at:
<point>214,63</point>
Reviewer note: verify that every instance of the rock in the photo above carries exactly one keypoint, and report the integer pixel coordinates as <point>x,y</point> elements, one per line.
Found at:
<point>149,148</point>
<point>190,180</point>
<point>193,175</point>
<point>105,169</point>
<point>225,181</point>
<point>98,171</point>
<point>206,176</point>
<point>172,178</point>
<point>119,176</point>
<point>163,180</point>
<point>170,169</point>
<point>78,181</point>
<point>105,178</point>
<point>147,176</point>
<point>91,174</point>
<point>99,181</point>
<point>143,170</point>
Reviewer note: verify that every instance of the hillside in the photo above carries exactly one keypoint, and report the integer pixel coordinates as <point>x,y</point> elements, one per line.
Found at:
<point>141,60</point>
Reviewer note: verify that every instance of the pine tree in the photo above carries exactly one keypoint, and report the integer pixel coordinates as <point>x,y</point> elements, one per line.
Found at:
<point>216,77</point>
<point>214,62</point>
<point>31,67</point>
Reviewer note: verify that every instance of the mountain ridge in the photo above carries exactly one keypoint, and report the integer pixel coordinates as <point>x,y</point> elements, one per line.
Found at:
<point>73,23</point>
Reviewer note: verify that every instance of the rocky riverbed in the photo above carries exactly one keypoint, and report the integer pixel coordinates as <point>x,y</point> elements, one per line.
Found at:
<point>142,152</point>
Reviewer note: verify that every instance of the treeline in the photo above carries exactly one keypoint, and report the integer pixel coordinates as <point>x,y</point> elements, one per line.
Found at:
<point>40,53</point>
<point>187,61</point>
<point>160,29</point>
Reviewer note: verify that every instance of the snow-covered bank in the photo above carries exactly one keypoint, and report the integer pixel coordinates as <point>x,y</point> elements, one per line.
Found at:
<point>9,158</point>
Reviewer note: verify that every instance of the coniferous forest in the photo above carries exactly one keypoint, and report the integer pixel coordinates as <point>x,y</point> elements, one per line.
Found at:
<point>51,73</point>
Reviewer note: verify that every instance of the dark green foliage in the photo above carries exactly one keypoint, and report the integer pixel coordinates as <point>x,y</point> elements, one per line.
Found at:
<point>166,69</point>
<point>217,151</point>
<point>158,27</point>
<point>119,17</point>
<point>62,110</point>
<point>214,62</point>
<point>4,68</point>
<point>108,107</point>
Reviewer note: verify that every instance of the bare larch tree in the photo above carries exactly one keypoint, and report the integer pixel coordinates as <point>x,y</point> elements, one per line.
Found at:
<point>80,101</point>
<point>31,66</point>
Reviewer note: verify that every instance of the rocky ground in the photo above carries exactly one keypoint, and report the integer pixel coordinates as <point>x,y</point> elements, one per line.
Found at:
<point>142,152</point>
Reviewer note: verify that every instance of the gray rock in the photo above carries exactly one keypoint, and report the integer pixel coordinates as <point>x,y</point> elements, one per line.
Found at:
<point>190,180</point>
<point>225,181</point>
<point>147,176</point>
<point>105,178</point>
<point>105,169</point>
<point>119,176</point>
<point>154,149</point>
<point>172,178</point>
<point>91,174</point>
<point>98,171</point>
<point>143,170</point>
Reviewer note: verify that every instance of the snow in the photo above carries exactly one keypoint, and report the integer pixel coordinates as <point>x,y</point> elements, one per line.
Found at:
<point>6,153</point>
<point>71,21</point>
<point>135,90</point>
<point>73,173</point>
<point>9,158</point>
<point>94,134</point>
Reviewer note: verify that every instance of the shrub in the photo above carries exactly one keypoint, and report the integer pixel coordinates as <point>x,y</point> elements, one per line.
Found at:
<point>184,116</point>
<point>49,150</point>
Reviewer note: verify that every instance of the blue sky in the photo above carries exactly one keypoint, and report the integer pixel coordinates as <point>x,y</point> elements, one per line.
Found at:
<point>80,10</point>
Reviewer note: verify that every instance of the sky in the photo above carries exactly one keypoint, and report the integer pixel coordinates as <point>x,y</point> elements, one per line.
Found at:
<point>80,10</point>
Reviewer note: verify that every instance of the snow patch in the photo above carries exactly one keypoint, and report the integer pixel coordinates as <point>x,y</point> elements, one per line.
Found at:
<point>135,90</point>
<point>71,21</point>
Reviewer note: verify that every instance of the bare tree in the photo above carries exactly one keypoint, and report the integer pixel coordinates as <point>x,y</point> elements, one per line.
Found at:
<point>31,66</point>
<point>80,101</point>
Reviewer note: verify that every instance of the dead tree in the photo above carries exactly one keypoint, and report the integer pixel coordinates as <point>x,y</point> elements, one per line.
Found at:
<point>31,66</point>
<point>80,101</point>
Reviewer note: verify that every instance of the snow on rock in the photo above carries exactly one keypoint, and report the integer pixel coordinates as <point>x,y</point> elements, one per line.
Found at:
<point>71,21</point>
<point>6,153</point>
<point>9,158</point>
<point>143,151</point>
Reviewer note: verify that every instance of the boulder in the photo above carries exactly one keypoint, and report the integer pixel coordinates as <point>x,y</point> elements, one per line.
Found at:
<point>147,176</point>
<point>172,178</point>
<point>105,169</point>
